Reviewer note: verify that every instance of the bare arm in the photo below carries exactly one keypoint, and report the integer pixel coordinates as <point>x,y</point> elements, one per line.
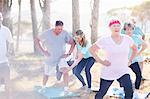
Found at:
<point>39,45</point>
<point>72,43</point>
<point>93,50</point>
<point>144,46</point>
<point>133,54</point>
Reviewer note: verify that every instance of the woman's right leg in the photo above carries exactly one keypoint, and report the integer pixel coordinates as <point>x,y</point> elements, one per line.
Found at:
<point>104,86</point>
<point>77,71</point>
<point>125,81</point>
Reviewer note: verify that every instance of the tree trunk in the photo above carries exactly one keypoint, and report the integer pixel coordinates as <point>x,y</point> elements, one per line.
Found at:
<point>75,16</point>
<point>7,21</point>
<point>19,19</point>
<point>145,25</point>
<point>5,8</point>
<point>34,23</point>
<point>1,6</point>
<point>45,7</point>
<point>94,18</point>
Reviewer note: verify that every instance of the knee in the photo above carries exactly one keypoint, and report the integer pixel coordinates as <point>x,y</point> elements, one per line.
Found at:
<point>139,75</point>
<point>87,71</point>
<point>76,73</point>
<point>73,70</point>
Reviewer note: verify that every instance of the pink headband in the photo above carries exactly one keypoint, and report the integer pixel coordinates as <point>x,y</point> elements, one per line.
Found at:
<point>114,22</point>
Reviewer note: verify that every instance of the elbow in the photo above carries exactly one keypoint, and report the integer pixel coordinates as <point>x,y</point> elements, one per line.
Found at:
<point>134,49</point>
<point>72,43</point>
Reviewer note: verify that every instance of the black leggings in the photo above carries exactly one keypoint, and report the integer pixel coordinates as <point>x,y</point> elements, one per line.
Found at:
<point>125,81</point>
<point>136,69</point>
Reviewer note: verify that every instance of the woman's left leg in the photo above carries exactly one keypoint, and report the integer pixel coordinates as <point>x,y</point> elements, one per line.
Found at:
<point>136,69</point>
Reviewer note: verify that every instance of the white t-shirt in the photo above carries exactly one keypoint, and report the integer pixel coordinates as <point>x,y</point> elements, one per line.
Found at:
<point>117,55</point>
<point>5,36</point>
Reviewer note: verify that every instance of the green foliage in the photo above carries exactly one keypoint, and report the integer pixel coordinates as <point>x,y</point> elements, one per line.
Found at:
<point>142,10</point>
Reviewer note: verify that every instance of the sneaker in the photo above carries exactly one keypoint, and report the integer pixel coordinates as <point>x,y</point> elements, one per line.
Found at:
<point>2,88</point>
<point>88,90</point>
<point>83,88</point>
<point>66,91</point>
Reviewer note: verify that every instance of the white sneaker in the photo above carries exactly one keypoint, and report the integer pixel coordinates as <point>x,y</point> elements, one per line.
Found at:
<point>2,88</point>
<point>88,90</point>
<point>135,95</point>
<point>83,88</point>
<point>66,91</point>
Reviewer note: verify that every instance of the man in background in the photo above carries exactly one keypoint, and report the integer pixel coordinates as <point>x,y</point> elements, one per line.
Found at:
<point>6,41</point>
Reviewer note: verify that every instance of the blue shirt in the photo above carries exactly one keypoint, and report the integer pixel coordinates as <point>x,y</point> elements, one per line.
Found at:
<point>137,31</point>
<point>123,31</point>
<point>85,50</point>
<point>138,42</point>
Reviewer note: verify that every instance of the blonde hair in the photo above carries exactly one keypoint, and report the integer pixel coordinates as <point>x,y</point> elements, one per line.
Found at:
<point>83,42</point>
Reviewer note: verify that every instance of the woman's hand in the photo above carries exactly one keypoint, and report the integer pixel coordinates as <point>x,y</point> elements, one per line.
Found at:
<point>106,63</point>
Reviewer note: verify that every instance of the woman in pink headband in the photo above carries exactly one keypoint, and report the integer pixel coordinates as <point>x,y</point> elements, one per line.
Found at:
<point>115,62</point>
